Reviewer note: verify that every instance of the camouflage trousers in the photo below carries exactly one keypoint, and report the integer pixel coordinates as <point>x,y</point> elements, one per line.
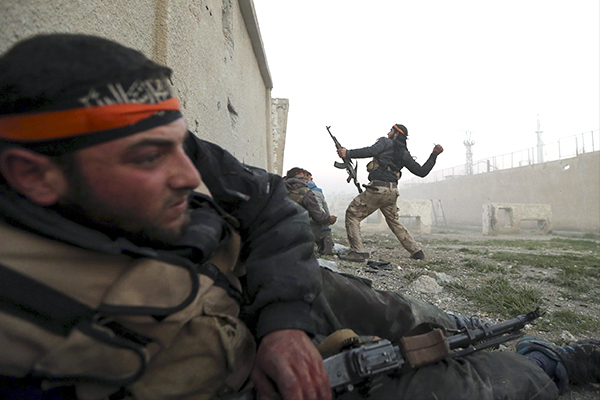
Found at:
<point>365,204</point>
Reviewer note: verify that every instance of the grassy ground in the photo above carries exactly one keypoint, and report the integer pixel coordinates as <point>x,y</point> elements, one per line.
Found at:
<point>499,277</point>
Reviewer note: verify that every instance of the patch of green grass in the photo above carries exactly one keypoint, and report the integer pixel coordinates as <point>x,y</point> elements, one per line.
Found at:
<point>412,275</point>
<point>550,260</point>
<point>481,266</point>
<point>575,278</point>
<point>591,235</point>
<point>577,244</point>
<point>578,273</point>
<point>512,243</point>
<point>440,265</point>
<point>499,296</point>
<point>558,321</point>
<point>442,248</point>
<point>444,241</point>
<point>467,250</point>
<point>576,295</point>
<point>556,243</point>
<point>457,288</point>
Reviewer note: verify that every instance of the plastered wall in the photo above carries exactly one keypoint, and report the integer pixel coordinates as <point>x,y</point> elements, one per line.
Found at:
<point>571,186</point>
<point>214,47</point>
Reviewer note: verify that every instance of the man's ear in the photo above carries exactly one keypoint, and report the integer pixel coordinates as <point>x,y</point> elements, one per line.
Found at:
<point>33,175</point>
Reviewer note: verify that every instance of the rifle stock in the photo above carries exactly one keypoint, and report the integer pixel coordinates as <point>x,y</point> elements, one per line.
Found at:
<point>346,164</point>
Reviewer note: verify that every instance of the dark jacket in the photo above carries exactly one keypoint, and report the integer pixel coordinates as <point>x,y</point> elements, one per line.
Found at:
<point>392,156</point>
<point>283,276</point>
<point>303,195</point>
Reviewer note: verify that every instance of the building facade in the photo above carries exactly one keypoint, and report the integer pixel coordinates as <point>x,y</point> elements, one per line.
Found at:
<point>220,71</point>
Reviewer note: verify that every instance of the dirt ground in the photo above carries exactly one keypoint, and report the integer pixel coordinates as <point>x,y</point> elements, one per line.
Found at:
<point>463,259</point>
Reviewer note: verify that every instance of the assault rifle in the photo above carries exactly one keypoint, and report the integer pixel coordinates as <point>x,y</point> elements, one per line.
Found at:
<point>359,363</point>
<point>346,164</point>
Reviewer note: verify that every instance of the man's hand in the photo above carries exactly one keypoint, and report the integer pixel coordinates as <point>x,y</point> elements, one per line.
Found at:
<point>438,149</point>
<point>332,219</point>
<point>342,152</point>
<point>289,366</point>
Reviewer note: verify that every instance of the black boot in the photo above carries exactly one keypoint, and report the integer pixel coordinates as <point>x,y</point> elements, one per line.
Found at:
<point>354,256</point>
<point>419,255</point>
<point>326,246</point>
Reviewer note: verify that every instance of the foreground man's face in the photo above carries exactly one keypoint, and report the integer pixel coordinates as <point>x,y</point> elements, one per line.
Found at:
<point>139,183</point>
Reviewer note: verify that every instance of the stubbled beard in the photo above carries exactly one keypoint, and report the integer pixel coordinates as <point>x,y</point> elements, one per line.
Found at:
<point>149,236</point>
<point>80,202</point>
<point>157,237</point>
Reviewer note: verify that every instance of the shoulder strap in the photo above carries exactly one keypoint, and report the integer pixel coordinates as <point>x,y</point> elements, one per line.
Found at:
<point>42,305</point>
<point>220,280</point>
<point>26,298</point>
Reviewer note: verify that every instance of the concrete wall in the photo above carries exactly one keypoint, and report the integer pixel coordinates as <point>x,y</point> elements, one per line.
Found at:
<point>571,186</point>
<point>415,214</point>
<point>279,114</point>
<point>214,47</point>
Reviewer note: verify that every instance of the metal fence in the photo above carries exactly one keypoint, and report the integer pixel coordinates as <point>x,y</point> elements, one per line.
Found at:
<point>567,147</point>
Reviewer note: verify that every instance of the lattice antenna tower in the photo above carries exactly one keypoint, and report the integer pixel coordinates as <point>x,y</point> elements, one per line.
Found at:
<point>469,144</point>
<point>540,142</point>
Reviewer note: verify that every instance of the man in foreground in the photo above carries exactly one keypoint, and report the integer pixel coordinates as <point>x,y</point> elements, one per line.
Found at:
<point>128,246</point>
<point>123,266</point>
<point>390,155</point>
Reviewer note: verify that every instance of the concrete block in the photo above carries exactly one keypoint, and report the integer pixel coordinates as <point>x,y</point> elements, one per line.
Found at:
<point>506,218</point>
<point>418,209</point>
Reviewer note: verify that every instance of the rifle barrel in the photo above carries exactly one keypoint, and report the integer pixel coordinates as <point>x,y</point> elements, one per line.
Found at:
<point>474,335</point>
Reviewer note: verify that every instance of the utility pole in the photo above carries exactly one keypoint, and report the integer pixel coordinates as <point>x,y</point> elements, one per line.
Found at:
<point>540,143</point>
<point>468,144</point>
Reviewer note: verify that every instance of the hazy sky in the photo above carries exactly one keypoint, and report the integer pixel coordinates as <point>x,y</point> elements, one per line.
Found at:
<point>439,67</point>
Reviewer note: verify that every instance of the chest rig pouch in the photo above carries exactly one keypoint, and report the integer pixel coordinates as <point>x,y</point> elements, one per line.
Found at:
<point>139,319</point>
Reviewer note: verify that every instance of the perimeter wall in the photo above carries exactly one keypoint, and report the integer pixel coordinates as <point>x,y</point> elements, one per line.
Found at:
<point>214,47</point>
<point>571,186</point>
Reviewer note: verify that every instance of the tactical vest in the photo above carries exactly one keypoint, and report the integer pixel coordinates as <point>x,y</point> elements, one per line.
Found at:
<point>160,326</point>
<point>297,194</point>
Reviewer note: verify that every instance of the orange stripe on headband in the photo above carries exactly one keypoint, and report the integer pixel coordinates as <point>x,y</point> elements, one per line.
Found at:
<point>61,124</point>
<point>396,126</point>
